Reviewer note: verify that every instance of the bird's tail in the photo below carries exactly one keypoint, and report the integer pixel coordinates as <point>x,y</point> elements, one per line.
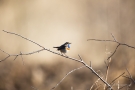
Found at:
<point>55,47</point>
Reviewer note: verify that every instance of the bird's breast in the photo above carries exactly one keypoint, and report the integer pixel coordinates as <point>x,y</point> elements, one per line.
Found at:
<point>68,48</point>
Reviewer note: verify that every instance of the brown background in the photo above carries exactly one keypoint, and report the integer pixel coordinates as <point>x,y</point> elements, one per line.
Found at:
<point>54,22</point>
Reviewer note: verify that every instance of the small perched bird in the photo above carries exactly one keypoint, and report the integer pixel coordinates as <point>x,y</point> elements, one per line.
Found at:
<point>64,48</point>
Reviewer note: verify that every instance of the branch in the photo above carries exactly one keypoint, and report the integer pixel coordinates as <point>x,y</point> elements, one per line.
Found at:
<point>78,60</point>
<point>107,70</point>
<point>130,75</point>
<point>89,67</point>
<point>67,75</point>
<point>94,83</point>
<point>97,87</point>
<point>123,87</point>
<point>114,41</point>
<point>21,57</point>
<point>113,52</point>
<point>23,38</point>
<point>113,37</point>
<point>117,78</point>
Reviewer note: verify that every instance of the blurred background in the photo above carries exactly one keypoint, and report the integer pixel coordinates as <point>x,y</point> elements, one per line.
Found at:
<point>53,22</point>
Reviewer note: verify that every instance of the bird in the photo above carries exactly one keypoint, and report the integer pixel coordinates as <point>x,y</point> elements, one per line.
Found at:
<point>64,48</point>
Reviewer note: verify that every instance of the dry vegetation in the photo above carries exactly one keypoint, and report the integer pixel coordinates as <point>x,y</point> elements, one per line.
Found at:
<point>101,32</point>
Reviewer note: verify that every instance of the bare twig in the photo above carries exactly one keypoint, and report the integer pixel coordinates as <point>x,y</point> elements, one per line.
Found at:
<point>101,40</point>
<point>67,75</point>
<point>23,38</point>
<point>130,75</point>
<point>129,79</point>
<point>94,72</point>
<point>94,83</point>
<point>5,58</point>
<point>4,52</point>
<point>124,44</point>
<point>90,64</point>
<point>98,87</point>
<point>117,78</point>
<point>15,57</point>
<point>113,37</point>
<point>113,52</point>
<point>107,71</point>
<point>22,58</point>
<point>123,87</point>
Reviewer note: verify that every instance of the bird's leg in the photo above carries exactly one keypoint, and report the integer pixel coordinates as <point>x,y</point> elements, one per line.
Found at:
<point>62,54</point>
<point>65,55</point>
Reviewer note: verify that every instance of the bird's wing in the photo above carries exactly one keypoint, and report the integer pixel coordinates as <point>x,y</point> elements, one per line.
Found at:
<point>55,47</point>
<point>61,47</point>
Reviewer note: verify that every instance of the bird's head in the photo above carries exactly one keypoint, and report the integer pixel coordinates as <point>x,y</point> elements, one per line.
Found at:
<point>67,44</point>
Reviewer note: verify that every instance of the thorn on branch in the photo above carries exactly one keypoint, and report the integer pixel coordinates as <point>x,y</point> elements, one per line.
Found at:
<point>22,58</point>
<point>15,57</point>
<point>90,64</point>
<point>80,57</point>
<point>113,37</point>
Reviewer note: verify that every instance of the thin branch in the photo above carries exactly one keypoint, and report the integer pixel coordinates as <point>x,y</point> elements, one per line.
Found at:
<point>123,87</point>
<point>107,71</point>
<point>113,37</point>
<point>98,87</point>
<point>117,78</point>
<point>90,64</point>
<point>130,75</point>
<point>22,58</point>
<point>80,58</point>
<point>23,38</point>
<point>5,58</point>
<point>100,73</point>
<point>95,73</point>
<point>15,57</point>
<point>4,52</point>
<point>113,52</point>
<point>101,40</point>
<point>94,83</point>
<point>67,75</point>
